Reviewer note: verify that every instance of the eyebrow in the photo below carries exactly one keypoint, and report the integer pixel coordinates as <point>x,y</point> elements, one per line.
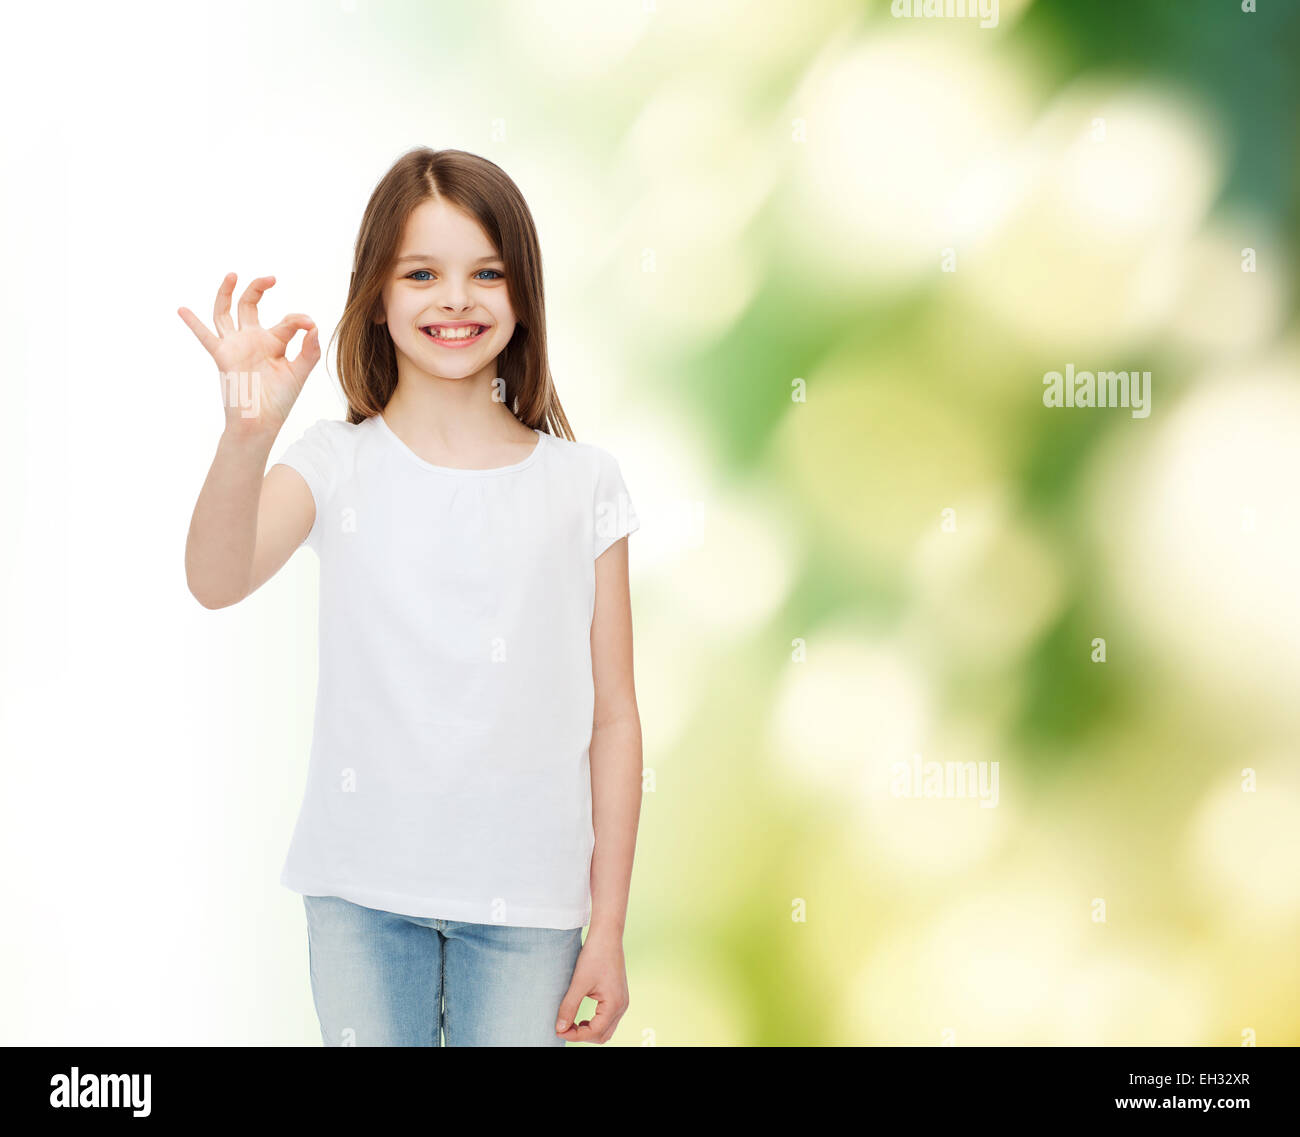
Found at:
<point>428,257</point>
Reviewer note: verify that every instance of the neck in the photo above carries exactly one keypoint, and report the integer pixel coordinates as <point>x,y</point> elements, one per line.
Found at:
<point>457,413</point>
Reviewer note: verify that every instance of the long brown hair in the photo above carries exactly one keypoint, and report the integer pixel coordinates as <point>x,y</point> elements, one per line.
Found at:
<point>367,360</point>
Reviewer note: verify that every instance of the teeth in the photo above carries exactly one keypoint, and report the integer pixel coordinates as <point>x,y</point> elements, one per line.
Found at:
<point>456,333</point>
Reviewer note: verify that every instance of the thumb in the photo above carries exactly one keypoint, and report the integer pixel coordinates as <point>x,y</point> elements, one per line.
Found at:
<point>569,1006</point>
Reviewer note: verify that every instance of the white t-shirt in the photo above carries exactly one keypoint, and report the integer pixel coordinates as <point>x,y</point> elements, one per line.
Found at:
<point>449,773</point>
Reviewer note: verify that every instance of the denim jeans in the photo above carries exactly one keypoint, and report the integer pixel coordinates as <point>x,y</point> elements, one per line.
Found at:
<point>382,979</point>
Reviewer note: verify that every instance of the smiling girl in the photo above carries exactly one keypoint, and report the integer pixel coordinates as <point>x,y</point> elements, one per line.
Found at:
<point>474,787</point>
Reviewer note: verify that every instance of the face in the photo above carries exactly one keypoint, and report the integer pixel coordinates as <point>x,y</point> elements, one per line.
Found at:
<point>447,275</point>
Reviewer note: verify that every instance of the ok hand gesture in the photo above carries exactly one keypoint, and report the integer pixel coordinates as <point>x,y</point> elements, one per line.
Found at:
<point>259,382</point>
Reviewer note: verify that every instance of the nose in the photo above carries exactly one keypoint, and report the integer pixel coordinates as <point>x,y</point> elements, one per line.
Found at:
<point>454,298</point>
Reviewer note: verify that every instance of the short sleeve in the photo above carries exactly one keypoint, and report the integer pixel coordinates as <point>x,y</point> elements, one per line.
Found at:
<point>615,516</point>
<point>313,456</point>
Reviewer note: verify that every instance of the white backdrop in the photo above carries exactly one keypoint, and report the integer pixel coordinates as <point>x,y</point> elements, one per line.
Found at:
<point>154,752</point>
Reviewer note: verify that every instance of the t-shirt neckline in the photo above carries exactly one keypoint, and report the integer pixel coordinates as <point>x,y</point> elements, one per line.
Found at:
<point>460,471</point>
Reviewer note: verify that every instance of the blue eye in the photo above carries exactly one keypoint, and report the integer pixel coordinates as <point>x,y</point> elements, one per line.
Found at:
<point>427,273</point>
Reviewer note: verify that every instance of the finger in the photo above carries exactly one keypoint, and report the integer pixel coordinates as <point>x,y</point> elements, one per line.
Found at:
<point>205,337</point>
<point>248,301</point>
<point>611,1027</point>
<point>287,328</point>
<point>221,307</point>
<point>307,358</point>
<point>595,1029</point>
<point>569,1008</point>
<point>580,1032</point>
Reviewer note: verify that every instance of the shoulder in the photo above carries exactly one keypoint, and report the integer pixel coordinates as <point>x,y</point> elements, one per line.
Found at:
<point>329,436</point>
<point>339,430</point>
<point>586,459</point>
<point>322,454</point>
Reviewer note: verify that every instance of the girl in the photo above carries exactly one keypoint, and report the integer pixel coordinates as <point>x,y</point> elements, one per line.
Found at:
<point>474,787</point>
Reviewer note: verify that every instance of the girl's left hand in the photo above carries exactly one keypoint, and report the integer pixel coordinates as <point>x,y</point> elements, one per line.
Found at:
<point>601,973</point>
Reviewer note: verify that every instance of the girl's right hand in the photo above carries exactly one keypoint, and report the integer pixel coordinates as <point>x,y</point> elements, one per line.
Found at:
<point>259,383</point>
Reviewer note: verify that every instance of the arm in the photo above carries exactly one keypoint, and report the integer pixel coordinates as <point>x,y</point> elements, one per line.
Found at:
<point>615,805</point>
<point>245,526</point>
<point>615,746</point>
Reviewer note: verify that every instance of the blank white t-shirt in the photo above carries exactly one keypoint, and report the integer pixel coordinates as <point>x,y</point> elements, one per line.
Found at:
<point>449,773</point>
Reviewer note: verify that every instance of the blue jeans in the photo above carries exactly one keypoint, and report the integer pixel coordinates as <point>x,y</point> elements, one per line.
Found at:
<point>382,979</point>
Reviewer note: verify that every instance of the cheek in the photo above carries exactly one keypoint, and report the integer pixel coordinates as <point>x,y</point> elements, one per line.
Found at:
<point>402,308</point>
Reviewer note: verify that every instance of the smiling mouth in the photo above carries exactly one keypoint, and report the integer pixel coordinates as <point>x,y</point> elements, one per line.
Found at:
<point>462,335</point>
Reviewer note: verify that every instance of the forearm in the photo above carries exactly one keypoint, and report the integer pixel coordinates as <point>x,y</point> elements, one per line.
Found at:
<point>223,531</point>
<point>615,814</point>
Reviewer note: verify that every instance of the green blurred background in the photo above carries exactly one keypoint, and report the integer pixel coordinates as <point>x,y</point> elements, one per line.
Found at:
<point>801,176</point>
